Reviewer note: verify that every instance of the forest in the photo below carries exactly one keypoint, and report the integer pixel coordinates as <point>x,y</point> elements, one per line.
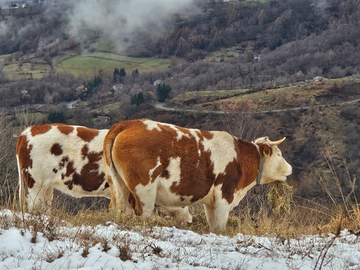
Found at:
<point>262,45</point>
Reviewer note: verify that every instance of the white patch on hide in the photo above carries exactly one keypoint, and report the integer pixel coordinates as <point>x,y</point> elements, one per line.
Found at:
<point>222,150</point>
<point>150,125</point>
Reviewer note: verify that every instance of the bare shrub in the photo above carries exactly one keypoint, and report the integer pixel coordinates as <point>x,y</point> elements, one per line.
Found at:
<point>124,252</point>
<point>242,123</point>
<point>8,183</point>
<point>9,128</point>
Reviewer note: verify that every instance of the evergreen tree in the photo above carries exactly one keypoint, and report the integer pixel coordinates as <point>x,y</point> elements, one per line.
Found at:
<point>91,87</point>
<point>135,73</point>
<point>119,74</point>
<point>56,117</point>
<point>137,99</point>
<point>122,72</point>
<point>163,91</point>
<point>116,74</point>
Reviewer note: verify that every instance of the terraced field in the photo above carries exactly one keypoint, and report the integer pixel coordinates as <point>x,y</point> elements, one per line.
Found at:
<point>90,64</point>
<point>86,65</point>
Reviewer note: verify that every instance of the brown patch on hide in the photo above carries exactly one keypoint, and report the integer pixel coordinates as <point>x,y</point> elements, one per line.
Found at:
<point>89,178</point>
<point>40,129</point>
<point>87,134</point>
<point>56,149</point>
<point>23,150</point>
<point>64,129</point>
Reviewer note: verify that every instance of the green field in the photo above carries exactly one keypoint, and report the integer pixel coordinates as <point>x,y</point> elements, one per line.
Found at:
<point>2,59</point>
<point>107,108</point>
<point>90,64</point>
<point>86,65</point>
<point>26,71</point>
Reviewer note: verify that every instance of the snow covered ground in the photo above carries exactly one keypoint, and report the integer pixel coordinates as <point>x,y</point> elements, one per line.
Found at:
<point>111,247</point>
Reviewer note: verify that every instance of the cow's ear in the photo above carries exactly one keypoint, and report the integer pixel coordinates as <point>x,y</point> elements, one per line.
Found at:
<point>265,149</point>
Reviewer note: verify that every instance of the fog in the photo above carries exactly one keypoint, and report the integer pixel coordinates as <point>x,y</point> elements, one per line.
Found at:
<point>122,20</point>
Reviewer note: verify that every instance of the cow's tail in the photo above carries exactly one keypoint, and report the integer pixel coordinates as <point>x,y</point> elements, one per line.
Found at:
<point>21,176</point>
<point>108,146</point>
<point>21,189</point>
<point>110,170</point>
<point>109,142</point>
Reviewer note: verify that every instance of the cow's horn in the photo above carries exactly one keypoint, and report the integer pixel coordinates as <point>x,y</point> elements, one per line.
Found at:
<point>277,142</point>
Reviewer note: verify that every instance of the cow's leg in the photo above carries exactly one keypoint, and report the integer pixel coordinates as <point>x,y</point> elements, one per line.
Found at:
<point>40,198</point>
<point>210,216</point>
<point>120,196</point>
<point>181,214</point>
<point>119,191</point>
<point>112,204</point>
<point>145,197</point>
<point>217,215</point>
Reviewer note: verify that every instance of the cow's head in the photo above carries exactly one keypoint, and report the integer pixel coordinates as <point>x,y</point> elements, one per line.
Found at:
<point>275,167</point>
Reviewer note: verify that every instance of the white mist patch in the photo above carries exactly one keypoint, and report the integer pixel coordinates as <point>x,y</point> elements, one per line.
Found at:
<point>120,20</point>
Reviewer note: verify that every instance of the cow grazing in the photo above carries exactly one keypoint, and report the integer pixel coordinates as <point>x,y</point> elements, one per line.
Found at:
<point>163,164</point>
<point>67,158</point>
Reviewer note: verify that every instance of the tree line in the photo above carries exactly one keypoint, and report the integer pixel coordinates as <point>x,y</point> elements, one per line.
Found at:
<point>218,25</point>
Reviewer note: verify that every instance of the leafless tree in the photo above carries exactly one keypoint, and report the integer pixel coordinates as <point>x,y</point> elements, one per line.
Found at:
<point>9,129</point>
<point>242,123</point>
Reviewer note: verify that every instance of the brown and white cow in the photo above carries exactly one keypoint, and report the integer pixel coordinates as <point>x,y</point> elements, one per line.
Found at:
<point>163,164</point>
<point>67,158</point>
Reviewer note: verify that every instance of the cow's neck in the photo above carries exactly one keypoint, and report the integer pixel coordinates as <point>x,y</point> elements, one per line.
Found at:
<point>250,159</point>
<point>261,166</point>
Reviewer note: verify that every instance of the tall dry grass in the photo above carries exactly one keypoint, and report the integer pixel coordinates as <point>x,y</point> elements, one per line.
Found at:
<point>8,168</point>
<point>255,215</point>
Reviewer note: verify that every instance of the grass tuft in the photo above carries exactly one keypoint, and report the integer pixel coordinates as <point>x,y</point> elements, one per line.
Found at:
<point>124,252</point>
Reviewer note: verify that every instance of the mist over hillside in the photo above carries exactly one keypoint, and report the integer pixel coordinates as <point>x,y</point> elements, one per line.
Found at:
<point>122,21</point>
<point>292,36</point>
<point>119,22</point>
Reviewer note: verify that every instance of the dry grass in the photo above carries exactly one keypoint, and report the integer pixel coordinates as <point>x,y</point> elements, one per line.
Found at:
<point>256,215</point>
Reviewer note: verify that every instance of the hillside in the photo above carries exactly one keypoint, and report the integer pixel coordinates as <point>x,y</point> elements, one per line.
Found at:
<point>312,93</point>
